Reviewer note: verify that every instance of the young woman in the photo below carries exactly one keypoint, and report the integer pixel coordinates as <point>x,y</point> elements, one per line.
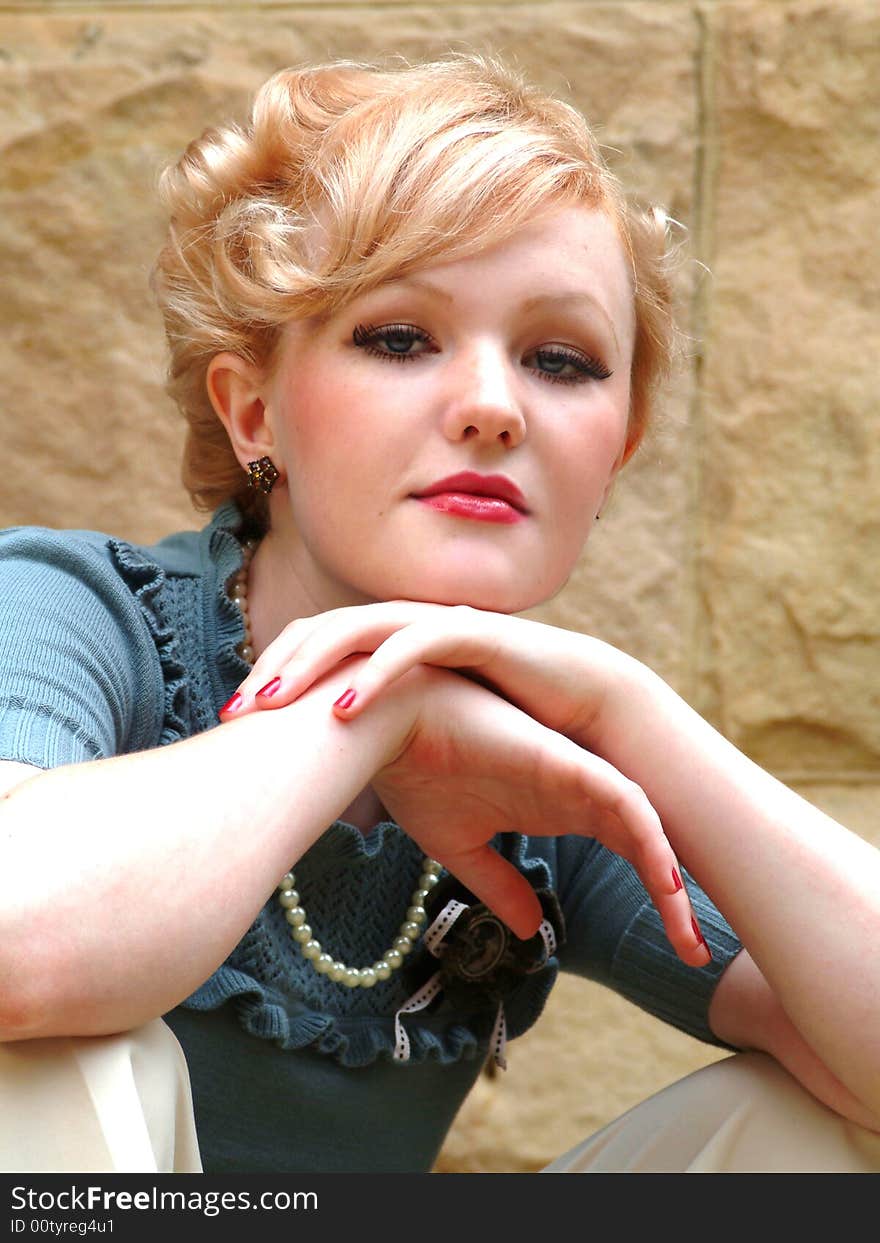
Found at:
<point>416,331</point>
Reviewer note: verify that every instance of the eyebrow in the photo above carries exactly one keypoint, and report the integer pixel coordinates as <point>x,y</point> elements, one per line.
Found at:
<point>530,304</point>
<point>571,299</point>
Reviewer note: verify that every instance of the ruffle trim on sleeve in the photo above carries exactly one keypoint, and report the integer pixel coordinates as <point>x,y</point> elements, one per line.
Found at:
<point>445,1034</point>
<point>145,580</point>
<point>222,557</point>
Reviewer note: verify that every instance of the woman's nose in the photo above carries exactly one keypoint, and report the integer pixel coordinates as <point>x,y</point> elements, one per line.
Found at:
<point>483,404</point>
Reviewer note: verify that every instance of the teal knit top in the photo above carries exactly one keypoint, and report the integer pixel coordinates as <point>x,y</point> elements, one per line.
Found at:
<point>110,648</point>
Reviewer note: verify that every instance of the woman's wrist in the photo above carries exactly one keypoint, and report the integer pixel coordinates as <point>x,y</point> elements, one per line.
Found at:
<point>626,690</point>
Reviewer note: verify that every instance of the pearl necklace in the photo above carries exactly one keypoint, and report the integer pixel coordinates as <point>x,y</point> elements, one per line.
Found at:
<point>311,949</point>
<point>359,977</point>
<point>238,595</point>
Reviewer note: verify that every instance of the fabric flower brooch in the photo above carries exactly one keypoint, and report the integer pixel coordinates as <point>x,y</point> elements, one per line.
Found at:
<point>478,958</point>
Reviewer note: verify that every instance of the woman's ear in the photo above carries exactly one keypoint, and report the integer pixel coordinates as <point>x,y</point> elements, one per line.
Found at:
<point>634,438</point>
<point>235,388</point>
<point>632,442</point>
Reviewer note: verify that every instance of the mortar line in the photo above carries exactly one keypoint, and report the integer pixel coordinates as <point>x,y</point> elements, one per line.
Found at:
<point>243,6</point>
<point>700,312</point>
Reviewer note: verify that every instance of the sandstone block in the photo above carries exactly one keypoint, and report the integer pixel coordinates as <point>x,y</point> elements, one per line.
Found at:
<point>790,533</point>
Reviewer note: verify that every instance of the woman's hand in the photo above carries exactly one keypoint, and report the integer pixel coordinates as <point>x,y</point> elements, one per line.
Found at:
<point>476,764</point>
<point>473,765</point>
<point>558,677</point>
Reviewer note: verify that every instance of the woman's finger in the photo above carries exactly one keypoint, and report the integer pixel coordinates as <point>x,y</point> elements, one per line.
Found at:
<point>309,647</point>
<point>266,668</point>
<point>504,889</point>
<point>628,824</point>
<point>418,644</point>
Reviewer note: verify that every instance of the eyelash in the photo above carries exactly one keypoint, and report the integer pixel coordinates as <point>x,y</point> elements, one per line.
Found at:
<point>366,336</point>
<point>587,366</point>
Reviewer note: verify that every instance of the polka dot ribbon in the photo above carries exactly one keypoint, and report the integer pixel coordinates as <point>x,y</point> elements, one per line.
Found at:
<point>422,997</point>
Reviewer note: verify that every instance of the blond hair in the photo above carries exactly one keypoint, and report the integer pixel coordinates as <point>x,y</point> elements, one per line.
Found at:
<point>401,166</point>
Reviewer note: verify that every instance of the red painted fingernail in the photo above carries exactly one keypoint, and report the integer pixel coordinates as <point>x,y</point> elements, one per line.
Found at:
<point>676,880</point>
<point>231,705</point>
<point>346,699</point>
<point>699,936</point>
<point>267,691</point>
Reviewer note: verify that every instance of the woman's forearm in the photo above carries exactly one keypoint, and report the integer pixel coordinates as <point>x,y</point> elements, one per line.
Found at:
<point>125,882</point>
<point>747,1013</point>
<point>801,890</point>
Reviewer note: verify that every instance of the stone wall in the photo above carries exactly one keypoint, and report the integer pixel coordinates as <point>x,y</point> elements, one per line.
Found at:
<point>740,554</point>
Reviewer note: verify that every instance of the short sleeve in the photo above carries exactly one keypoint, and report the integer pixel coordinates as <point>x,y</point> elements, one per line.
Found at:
<point>79,673</point>
<point>614,935</point>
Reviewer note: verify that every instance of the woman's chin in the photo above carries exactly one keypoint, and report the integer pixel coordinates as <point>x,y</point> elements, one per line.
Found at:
<point>446,576</point>
<point>510,597</point>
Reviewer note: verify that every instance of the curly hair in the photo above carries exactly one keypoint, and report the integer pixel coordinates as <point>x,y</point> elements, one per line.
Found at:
<point>399,166</point>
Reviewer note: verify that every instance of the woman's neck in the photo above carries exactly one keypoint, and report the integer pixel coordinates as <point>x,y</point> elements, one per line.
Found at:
<point>277,596</point>
<point>279,592</point>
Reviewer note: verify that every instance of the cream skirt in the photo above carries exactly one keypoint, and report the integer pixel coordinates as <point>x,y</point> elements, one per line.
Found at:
<point>118,1104</point>
<point>123,1104</point>
<point>742,1115</point>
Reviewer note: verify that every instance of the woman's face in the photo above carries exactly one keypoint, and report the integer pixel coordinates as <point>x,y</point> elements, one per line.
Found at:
<point>451,435</point>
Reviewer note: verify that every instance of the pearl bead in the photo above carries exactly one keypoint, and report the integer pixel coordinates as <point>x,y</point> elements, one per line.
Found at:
<point>302,934</point>
<point>394,958</point>
<point>311,949</point>
<point>296,916</point>
<point>416,914</point>
<point>289,899</point>
<point>404,944</point>
<point>383,971</point>
<point>323,963</point>
<point>411,930</point>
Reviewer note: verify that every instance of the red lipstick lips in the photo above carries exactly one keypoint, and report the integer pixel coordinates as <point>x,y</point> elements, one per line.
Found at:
<point>485,498</point>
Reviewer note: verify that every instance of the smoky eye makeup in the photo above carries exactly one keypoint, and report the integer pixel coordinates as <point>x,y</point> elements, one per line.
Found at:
<point>563,365</point>
<point>551,361</point>
<point>393,342</point>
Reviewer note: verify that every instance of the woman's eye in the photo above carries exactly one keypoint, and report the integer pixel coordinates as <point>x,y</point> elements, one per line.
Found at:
<point>396,342</point>
<point>566,366</point>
